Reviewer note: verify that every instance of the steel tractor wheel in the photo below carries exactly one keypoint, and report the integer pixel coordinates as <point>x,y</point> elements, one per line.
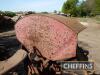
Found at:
<point>47,38</point>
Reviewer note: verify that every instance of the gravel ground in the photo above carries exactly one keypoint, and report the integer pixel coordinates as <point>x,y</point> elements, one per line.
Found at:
<point>89,39</point>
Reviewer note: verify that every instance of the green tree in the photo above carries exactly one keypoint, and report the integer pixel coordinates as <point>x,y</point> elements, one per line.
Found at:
<point>83,9</point>
<point>1,13</point>
<point>96,9</point>
<point>91,7</point>
<point>44,12</point>
<point>55,11</point>
<point>70,7</point>
<point>9,13</point>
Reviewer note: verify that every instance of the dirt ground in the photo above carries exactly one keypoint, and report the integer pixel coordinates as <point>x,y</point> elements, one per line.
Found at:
<point>89,39</point>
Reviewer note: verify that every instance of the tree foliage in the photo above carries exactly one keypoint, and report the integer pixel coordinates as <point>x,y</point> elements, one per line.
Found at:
<point>96,9</point>
<point>70,7</point>
<point>7,13</point>
<point>85,8</point>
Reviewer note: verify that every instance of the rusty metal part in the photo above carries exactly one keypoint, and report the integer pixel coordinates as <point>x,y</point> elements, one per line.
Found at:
<point>71,22</point>
<point>13,61</point>
<point>54,36</point>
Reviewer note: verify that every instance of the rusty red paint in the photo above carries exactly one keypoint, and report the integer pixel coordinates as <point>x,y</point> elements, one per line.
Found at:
<point>52,38</point>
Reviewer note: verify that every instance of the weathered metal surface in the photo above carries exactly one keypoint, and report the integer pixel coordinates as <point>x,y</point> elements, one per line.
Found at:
<point>13,61</point>
<point>54,36</point>
<point>71,22</point>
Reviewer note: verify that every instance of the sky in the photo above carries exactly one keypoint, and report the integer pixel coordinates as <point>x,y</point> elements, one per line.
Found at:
<point>31,5</point>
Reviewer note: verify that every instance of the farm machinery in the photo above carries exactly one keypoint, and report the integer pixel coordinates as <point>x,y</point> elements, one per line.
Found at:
<point>45,39</point>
